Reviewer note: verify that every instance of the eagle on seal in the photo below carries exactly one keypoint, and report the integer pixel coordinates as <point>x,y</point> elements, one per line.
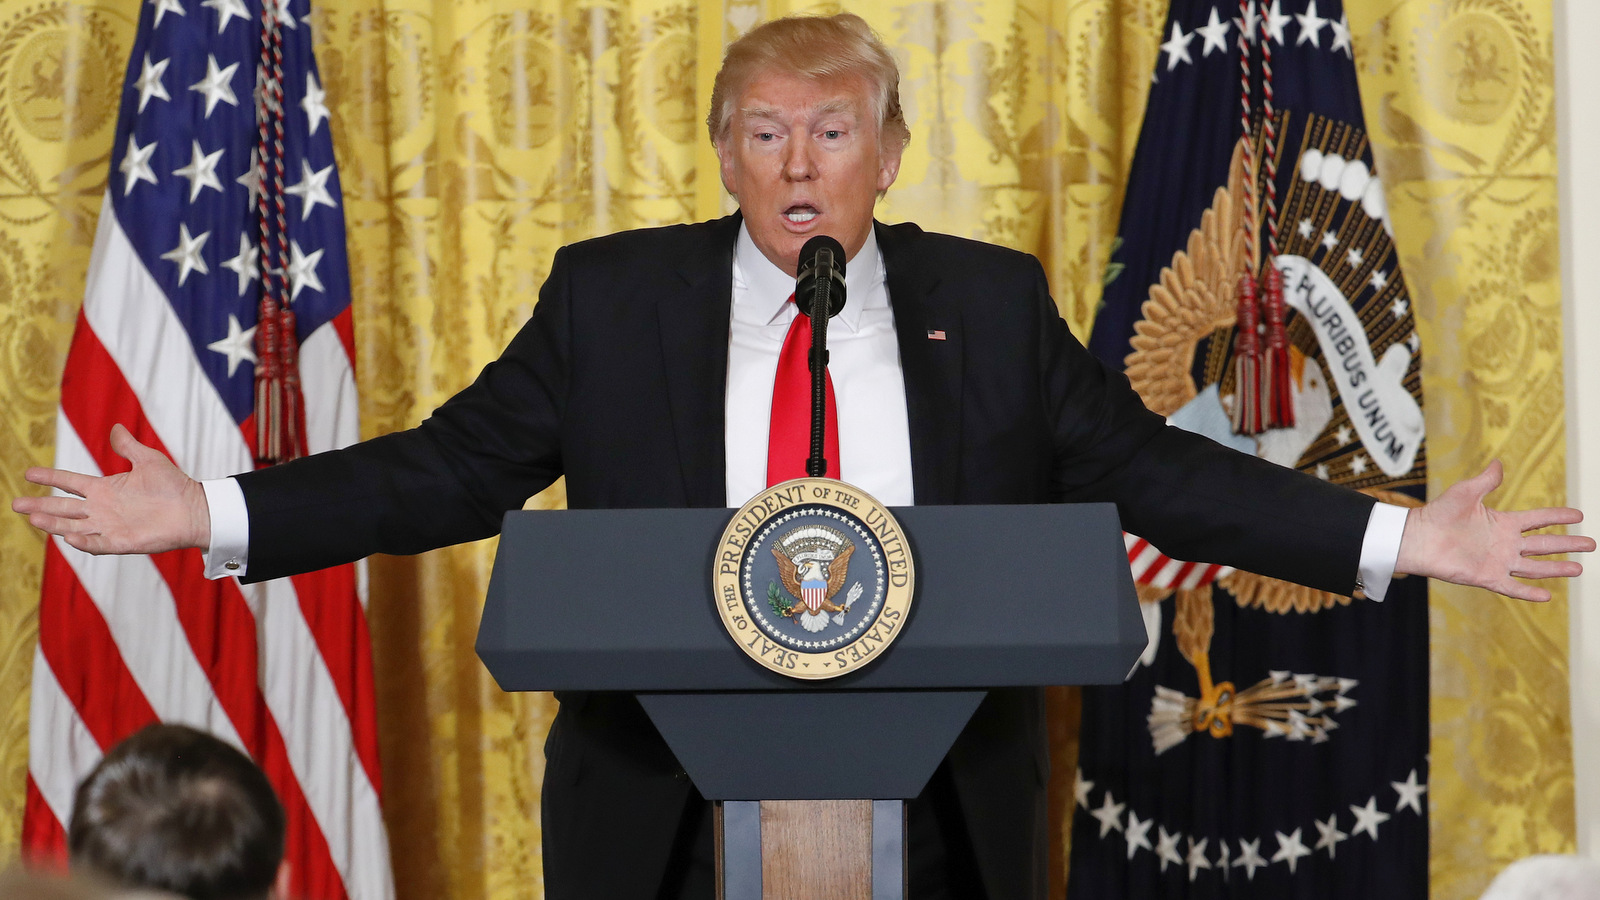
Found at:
<point>813,563</point>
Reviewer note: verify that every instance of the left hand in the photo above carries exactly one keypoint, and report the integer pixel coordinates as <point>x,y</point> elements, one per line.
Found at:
<point>1456,538</point>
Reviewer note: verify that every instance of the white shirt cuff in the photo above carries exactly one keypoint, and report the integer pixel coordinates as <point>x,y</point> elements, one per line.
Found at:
<point>1380,549</point>
<point>230,528</point>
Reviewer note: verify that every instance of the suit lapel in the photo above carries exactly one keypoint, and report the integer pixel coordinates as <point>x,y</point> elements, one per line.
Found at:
<point>932,368</point>
<point>693,316</point>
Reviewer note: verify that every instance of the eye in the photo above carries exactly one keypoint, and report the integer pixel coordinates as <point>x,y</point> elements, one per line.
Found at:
<point>833,134</point>
<point>766,137</point>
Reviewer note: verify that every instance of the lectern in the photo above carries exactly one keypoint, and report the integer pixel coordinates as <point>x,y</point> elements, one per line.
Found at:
<point>1005,596</point>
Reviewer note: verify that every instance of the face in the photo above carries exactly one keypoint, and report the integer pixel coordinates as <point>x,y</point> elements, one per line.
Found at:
<point>803,158</point>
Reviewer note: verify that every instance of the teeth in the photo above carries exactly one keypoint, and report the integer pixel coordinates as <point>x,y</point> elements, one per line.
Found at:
<point>799,217</point>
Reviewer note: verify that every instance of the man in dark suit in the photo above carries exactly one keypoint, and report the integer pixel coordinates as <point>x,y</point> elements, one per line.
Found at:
<point>646,377</point>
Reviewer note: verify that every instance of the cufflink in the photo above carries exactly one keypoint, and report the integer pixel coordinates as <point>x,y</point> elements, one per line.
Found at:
<point>231,565</point>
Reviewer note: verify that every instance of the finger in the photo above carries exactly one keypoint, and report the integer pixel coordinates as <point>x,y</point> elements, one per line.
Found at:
<point>1485,482</point>
<point>61,479</point>
<point>1516,590</point>
<point>1530,519</point>
<point>1547,568</point>
<point>64,507</point>
<point>128,447</point>
<point>62,525</point>
<point>1546,544</point>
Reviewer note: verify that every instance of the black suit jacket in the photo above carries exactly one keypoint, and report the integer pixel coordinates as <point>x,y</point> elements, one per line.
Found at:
<point>618,381</point>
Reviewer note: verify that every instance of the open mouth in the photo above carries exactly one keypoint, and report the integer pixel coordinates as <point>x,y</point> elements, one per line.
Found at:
<point>801,213</point>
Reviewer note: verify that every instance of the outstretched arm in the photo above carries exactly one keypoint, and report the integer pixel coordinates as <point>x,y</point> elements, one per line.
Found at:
<point>152,508</point>
<point>1456,538</point>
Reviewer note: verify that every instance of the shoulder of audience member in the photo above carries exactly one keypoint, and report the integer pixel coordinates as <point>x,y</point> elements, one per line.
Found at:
<point>19,883</point>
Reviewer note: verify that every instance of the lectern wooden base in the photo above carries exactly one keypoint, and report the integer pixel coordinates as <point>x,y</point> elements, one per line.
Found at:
<point>811,850</point>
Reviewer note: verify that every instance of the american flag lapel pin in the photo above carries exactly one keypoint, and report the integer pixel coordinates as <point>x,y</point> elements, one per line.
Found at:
<point>935,334</point>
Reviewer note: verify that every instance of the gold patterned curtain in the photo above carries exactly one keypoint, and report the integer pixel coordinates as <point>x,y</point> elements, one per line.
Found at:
<point>475,137</point>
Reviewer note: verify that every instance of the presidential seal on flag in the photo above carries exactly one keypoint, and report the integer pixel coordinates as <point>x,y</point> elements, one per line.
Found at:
<point>813,578</point>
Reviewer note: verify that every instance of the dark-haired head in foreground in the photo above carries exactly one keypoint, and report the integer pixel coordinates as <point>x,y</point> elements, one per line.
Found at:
<point>175,809</point>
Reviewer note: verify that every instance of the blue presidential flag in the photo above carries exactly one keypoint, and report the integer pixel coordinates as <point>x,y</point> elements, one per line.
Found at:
<point>1273,740</point>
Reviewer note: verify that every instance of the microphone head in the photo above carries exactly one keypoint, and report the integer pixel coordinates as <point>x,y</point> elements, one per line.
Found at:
<point>821,273</point>
<point>808,253</point>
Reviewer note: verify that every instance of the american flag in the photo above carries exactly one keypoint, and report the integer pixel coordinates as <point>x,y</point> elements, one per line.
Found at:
<point>166,344</point>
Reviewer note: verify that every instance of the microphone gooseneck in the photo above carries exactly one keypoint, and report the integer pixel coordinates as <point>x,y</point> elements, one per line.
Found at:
<point>819,286</point>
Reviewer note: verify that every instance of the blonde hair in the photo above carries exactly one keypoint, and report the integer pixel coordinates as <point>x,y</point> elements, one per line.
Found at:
<point>814,47</point>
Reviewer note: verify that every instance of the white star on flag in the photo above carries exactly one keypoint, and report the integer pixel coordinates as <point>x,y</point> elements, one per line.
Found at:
<point>1109,814</point>
<point>1322,471</point>
<point>1222,857</point>
<point>226,11</point>
<point>165,6</point>
<point>312,189</point>
<point>1275,22</point>
<point>201,171</point>
<point>302,270</point>
<point>187,253</point>
<point>1310,26</point>
<point>246,264</point>
<point>1138,833</point>
<point>251,179</point>
<point>1081,788</point>
<point>136,165</point>
<point>1167,847</point>
<point>1400,307</point>
<point>1329,239</point>
<point>149,83</point>
<point>1354,257</point>
<point>315,102</point>
<point>1250,857</point>
<point>1379,280</point>
<point>1305,229</point>
<point>284,18</point>
<point>1343,435</point>
<point>239,344</point>
<point>216,85</point>
<point>1410,793</point>
<point>1197,857</point>
<point>1290,849</point>
<point>1215,32</point>
<point>1177,47</point>
<point>1368,818</point>
<point>1330,834</point>
<point>1341,35</point>
<point>1359,464</point>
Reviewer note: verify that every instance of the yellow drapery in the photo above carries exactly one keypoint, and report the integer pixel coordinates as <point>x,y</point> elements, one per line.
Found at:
<point>476,137</point>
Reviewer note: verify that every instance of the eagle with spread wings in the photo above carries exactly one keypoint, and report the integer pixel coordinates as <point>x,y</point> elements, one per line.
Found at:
<point>1193,300</point>
<point>812,569</point>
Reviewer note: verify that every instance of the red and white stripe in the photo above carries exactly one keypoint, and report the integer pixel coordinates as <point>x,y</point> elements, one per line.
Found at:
<point>1151,566</point>
<point>282,670</point>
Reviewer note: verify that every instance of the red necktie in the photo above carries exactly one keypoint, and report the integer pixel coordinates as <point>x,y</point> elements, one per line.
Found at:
<point>789,442</point>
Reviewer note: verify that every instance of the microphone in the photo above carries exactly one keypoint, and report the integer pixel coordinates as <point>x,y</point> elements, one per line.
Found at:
<point>819,286</point>
<point>820,276</point>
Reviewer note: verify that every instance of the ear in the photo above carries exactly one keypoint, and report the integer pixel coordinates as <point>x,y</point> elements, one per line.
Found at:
<point>280,884</point>
<point>727,167</point>
<point>888,165</point>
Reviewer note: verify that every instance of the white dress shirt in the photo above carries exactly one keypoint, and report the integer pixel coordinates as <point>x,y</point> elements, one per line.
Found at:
<point>863,360</point>
<point>869,388</point>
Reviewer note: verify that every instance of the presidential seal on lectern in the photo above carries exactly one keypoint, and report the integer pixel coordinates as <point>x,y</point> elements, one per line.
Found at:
<point>813,578</point>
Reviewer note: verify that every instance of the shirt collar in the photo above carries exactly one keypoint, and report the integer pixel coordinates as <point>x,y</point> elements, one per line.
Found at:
<point>766,288</point>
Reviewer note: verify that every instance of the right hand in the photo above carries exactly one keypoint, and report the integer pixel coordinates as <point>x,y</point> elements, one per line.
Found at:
<point>150,509</point>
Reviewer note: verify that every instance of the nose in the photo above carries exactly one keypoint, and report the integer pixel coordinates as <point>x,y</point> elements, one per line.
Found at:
<point>799,163</point>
